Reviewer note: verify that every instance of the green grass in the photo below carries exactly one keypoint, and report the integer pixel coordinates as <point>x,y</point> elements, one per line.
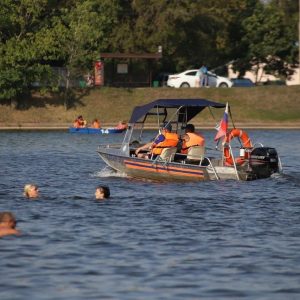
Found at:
<point>264,104</point>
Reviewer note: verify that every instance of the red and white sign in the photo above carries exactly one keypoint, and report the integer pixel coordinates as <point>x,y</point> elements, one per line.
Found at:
<point>99,73</point>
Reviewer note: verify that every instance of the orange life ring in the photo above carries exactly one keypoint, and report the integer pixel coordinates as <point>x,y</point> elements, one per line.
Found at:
<point>246,144</point>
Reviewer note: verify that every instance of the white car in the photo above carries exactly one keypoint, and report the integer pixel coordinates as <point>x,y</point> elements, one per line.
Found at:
<point>189,78</point>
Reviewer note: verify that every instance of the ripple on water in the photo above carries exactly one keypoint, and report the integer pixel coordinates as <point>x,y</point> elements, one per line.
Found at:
<point>151,240</point>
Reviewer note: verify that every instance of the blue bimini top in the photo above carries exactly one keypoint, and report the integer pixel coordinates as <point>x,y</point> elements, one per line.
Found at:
<point>191,107</point>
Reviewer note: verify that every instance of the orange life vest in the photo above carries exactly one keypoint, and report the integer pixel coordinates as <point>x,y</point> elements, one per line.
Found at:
<point>76,124</point>
<point>79,123</point>
<point>247,144</point>
<point>171,140</point>
<point>195,140</point>
<point>96,124</point>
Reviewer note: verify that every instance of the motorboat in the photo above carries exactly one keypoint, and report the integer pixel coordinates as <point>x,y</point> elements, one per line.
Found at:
<point>253,161</point>
<point>96,130</point>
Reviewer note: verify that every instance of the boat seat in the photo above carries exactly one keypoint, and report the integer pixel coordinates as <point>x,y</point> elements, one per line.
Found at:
<point>195,155</point>
<point>167,154</point>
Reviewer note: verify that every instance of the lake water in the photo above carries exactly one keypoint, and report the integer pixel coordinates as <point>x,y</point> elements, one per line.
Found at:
<point>207,240</point>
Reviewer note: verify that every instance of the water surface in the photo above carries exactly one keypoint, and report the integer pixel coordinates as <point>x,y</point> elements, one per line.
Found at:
<point>207,240</point>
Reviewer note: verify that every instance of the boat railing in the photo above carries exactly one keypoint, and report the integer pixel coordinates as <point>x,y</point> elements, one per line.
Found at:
<point>234,164</point>
<point>258,144</point>
<point>213,168</point>
<point>201,160</point>
<point>280,165</point>
<point>233,160</point>
<point>114,146</point>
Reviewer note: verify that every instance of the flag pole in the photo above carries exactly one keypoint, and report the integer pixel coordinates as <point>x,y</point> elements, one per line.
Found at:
<point>231,114</point>
<point>222,130</point>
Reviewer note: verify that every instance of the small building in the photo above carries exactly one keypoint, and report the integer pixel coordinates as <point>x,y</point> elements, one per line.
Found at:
<point>129,69</point>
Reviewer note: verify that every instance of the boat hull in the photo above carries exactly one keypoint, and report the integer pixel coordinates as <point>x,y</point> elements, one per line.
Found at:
<point>158,170</point>
<point>161,170</point>
<point>88,130</point>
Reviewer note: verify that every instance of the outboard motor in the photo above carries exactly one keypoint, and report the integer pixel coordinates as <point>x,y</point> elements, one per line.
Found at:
<point>264,161</point>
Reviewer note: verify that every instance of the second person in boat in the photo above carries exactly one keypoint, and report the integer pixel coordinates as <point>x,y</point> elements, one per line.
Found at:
<point>191,138</point>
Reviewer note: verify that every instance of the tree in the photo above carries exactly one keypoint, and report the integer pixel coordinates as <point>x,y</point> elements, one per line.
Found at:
<point>183,29</point>
<point>270,41</point>
<point>190,32</point>
<point>82,31</point>
<point>37,34</point>
<point>20,58</point>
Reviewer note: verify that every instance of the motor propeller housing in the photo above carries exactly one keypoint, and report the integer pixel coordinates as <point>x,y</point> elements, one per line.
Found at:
<point>264,161</point>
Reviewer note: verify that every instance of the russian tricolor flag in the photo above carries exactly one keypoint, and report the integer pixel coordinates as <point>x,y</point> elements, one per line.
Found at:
<point>222,129</point>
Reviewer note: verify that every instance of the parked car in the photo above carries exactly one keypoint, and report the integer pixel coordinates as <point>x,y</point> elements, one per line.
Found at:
<point>242,82</point>
<point>274,82</point>
<point>189,79</point>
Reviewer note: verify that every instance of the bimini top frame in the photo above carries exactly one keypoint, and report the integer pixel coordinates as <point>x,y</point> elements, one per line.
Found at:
<point>190,107</point>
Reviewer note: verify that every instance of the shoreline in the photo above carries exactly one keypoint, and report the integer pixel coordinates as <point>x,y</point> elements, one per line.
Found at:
<point>259,107</point>
<point>64,126</point>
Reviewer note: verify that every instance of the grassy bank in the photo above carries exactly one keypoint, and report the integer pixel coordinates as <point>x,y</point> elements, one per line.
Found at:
<point>269,105</point>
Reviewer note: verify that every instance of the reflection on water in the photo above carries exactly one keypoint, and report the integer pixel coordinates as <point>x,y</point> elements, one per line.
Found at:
<point>208,240</point>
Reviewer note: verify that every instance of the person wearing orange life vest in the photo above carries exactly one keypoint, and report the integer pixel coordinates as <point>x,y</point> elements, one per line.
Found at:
<point>190,139</point>
<point>79,122</point>
<point>96,124</point>
<point>166,139</point>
